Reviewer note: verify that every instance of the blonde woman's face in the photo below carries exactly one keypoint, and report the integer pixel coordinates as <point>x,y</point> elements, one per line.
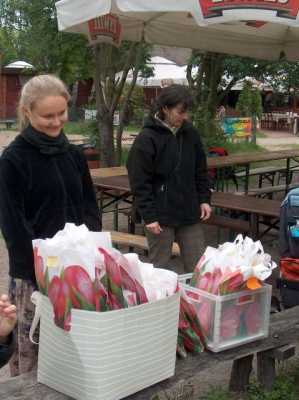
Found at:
<point>49,115</point>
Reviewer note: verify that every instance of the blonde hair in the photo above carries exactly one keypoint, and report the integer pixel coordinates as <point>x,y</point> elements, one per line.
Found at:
<point>38,88</point>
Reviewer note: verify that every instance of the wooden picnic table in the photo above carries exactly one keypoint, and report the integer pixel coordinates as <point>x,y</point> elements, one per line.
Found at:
<point>259,211</point>
<point>283,330</point>
<point>241,160</point>
<point>246,159</point>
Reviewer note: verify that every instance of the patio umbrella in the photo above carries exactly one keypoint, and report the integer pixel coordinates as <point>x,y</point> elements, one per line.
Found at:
<point>250,28</point>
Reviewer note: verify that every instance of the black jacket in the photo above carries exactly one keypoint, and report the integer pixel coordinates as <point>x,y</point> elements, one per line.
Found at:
<point>6,350</point>
<point>171,198</point>
<point>38,195</point>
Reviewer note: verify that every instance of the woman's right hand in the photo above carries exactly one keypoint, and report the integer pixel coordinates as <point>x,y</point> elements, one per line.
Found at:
<point>154,228</point>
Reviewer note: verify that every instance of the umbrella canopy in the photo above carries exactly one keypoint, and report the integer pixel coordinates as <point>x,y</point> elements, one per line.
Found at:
<point>250,28</point>
<point>165,73</point>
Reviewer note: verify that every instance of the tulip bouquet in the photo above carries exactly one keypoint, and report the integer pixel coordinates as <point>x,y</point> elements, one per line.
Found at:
<point>191,333</point>
<point>80,269</point>
<point>226,291</point>
<point>232,267</point>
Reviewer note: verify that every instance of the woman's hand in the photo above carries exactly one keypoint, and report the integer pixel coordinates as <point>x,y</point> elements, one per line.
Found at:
<point>8,317</point>
<point>206,211</point>
<point>154,228</point>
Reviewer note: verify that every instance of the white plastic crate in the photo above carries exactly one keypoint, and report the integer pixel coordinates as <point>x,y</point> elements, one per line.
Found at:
<point>233,319</point>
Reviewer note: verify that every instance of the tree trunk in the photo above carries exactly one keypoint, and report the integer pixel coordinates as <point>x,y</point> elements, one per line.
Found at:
<point>105,122</point>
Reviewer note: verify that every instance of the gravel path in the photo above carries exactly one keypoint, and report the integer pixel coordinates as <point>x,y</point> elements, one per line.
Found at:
<point>219,375</point>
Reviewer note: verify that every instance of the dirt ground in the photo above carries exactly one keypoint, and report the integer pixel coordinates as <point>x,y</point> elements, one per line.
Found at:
<point>220,374</point>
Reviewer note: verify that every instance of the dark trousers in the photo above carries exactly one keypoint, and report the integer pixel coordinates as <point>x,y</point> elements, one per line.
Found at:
<point>191,242</point>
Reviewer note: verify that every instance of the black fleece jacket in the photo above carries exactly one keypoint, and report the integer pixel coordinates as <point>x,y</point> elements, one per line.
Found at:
<point>171,199</point>
<point>39,194</point>
<point>7,350</point>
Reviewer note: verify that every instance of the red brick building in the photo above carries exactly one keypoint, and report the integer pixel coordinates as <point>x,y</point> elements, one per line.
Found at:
<point>14,76</point>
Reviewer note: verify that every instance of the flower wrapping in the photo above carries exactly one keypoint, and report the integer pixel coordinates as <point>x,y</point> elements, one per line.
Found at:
<point>232,267</point>
<point>224,296</point>
<point>80,269</point>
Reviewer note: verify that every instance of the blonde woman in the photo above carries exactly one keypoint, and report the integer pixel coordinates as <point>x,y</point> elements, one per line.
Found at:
<point>44,183</point>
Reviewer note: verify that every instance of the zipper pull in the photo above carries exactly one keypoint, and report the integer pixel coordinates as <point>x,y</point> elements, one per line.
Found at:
<point>162,188</point>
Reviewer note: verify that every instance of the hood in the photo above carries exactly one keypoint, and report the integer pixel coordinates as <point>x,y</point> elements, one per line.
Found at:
<point>151,122</point>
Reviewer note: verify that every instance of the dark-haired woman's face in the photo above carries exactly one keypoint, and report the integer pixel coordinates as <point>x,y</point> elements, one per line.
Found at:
<point>175,116</point>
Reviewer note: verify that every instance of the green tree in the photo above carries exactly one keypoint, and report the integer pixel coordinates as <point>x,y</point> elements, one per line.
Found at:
<point>217,73</point>
<point>107,61</point>
<point>136,104</point>
<point>244,102</point>
<point>32,28</point>
<point>256,106</point>
<point>29,32</point>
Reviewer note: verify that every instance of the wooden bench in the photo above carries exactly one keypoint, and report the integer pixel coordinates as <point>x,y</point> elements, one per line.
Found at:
<point>268,174</point>
<point>279,345</point>
<point>131,240</point>
<point>8,123</point>
<point>238,225</point>
<point>269,190</point>
<point>264,173</point>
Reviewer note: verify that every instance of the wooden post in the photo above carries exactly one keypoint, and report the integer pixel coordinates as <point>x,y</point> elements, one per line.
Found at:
<point>266,372</point>
<point>240,373</point>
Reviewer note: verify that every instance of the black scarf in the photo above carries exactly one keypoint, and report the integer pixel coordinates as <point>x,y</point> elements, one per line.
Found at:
<point>46,144</point>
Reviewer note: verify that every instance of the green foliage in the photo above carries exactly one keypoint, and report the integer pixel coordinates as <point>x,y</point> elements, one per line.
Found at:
<point>210,133</point>
<point>92,135</point>
<point>244,102</point>
<point>134,114</point>
<point>257,106</point>
<point>30,33</point>
<point>216,393</point>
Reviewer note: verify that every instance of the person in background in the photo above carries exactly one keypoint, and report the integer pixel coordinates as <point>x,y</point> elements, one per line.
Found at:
<point>168,177</point>
<point>44,183</point>
<point>268,103</point>
<point>8,319</point>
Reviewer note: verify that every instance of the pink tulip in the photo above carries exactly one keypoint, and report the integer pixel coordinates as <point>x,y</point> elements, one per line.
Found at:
<point>253,318</point>
<point>79,282</point>
<point>59,295</point>
<point>116,305</point>
<point>205,317</point>
<point>230,322</point>
<point>39,271</point>
<point>127,281</point>
<point>216,276</point>
<point>112,267</point>
<point>205,282</point>
<point>101,296</point>
<point>231,281</point>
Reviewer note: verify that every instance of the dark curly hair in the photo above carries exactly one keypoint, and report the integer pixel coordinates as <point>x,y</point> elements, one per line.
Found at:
<point>171,97</point>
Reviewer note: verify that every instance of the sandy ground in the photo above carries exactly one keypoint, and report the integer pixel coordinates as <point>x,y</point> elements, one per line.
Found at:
<point>220,374</point>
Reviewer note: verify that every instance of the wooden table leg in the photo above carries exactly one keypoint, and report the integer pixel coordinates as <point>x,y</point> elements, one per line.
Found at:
<point>240,373</point>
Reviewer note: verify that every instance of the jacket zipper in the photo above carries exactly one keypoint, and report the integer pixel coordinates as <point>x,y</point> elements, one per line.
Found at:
<point>161,189</point>
<point>60,177</point>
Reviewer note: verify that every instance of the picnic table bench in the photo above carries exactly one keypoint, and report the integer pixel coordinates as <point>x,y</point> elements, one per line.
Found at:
<point>268,191</point>
<point>279,345</point>
<point>233,224</point>
<point>8,122</point>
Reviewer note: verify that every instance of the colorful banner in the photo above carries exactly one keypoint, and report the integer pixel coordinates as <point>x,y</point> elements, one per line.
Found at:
<point>236,127</point>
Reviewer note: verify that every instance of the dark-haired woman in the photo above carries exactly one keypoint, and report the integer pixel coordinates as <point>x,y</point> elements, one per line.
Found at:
<point>169,180</point>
